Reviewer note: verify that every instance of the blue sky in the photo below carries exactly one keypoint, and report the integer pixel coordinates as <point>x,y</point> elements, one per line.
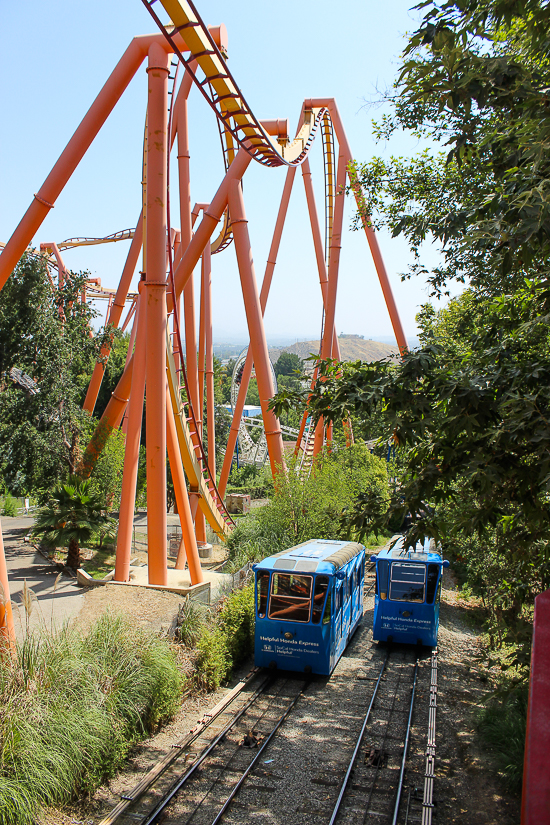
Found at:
<point>55,57</point>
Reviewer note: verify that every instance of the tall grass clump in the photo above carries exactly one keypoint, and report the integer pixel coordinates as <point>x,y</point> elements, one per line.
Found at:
<point>312,507</point>
<point>502,724</point>
<point>73,706</point>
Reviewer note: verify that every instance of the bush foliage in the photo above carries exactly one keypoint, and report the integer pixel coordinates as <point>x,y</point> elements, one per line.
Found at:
<point>303,508</point>
<point>226,640</point>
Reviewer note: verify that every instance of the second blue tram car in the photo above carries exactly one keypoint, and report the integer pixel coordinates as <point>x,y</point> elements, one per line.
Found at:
<point>408,588</point>
<point>309,601</point>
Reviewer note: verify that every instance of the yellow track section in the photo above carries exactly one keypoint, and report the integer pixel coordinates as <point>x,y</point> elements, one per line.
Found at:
<point>189,458</point>
<point>226,97</point>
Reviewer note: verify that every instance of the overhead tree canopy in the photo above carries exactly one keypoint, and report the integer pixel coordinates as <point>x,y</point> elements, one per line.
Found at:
<point>470,408</point>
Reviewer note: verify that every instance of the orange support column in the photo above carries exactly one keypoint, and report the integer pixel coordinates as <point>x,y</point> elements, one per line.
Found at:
<point>188,545</point>
<point>330,103</point>
<point>7,630</point>
<point>114,315</point>
<point>71,156</point>
<point>202,343</point>
<point>318,246</point>
<point>129,354</point>
<point>209,365</point>
<point>131,453</point>
<point>203,233</point>
<point>156,316</point>
<point>256,329</point>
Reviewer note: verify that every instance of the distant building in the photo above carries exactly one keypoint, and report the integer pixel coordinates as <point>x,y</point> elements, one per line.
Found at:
<point>249,410</point>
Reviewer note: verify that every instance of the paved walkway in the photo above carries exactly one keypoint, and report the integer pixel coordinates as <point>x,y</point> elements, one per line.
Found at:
<point>54,603</point>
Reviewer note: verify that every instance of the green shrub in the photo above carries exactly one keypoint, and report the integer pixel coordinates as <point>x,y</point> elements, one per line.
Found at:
<point>237,622</point>
<point>9,507</point>
<point>72,707</point>
<point>227,641</point>
<point>213,663</point>
<point>312,507</point>
<point>502,725</point>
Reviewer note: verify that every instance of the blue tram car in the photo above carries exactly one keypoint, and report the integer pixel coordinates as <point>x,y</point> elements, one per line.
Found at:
<point>309,601</point>
<point>408,589</point>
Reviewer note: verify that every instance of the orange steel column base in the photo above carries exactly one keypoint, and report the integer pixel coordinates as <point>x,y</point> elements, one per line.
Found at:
<point>7,629</point>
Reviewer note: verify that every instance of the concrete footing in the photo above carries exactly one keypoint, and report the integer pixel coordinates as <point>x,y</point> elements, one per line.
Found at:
<point>178,582</point>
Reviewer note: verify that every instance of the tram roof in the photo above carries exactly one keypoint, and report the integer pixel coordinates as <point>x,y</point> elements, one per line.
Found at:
<point>314,556</point>
<point>423,552</point>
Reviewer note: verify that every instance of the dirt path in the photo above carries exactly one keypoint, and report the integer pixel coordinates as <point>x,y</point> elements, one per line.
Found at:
<point>466,788</point>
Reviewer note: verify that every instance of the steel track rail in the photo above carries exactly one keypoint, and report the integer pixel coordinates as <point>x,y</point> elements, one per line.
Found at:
<point>266,742</point>
<point>358,743</point>
<point>178,748</point>
<point>429,773</point>
<point>405,748</point>
<point>178,785</point>
<point>222,93</point>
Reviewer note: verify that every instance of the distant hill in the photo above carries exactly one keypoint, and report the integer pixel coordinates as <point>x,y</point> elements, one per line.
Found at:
<point>352,348</point>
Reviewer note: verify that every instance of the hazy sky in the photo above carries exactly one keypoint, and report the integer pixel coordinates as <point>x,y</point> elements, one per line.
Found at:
<point>55,57</point>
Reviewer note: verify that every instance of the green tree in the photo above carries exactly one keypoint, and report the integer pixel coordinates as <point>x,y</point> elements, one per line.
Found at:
<point>72,517</point>
<point>470,408</point>
<point>44,332</point>
<point>288,363</point>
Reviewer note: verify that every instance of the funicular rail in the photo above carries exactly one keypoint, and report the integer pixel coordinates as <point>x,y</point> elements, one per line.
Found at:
<point>378,775</point>
<point>180,749</point>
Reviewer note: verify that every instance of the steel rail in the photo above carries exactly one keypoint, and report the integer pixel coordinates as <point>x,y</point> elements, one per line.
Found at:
<point>72,243</point>
<point>177,748</point>
<point>405,748</point>
<point>358,743</point>
<point>178,785</point>
<point>264,745</point>
<point>225,98</point>
<point>429,773</point>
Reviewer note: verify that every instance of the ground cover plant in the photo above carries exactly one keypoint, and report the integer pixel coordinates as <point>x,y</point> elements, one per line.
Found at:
<point>72,707</point>
<point>312,506</point>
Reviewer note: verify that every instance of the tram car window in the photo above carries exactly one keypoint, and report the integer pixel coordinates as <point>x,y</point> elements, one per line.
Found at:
<point>407,593</point>
<point>309,602</point>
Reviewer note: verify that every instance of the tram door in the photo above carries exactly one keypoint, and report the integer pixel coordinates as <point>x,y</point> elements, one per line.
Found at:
<point>338,610</point>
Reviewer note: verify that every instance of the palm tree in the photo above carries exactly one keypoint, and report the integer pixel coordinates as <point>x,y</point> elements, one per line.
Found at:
<point>71,518</point>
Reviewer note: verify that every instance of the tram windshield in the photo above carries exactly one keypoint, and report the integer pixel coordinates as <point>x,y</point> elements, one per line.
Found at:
<point>407,582</point>
<point>290,597</point>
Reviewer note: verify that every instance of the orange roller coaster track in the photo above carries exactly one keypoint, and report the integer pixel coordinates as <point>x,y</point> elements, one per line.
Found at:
<point>162,358</point>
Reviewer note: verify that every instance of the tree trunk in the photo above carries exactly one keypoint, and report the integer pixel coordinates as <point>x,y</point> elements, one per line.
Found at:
<point>73,556</point>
